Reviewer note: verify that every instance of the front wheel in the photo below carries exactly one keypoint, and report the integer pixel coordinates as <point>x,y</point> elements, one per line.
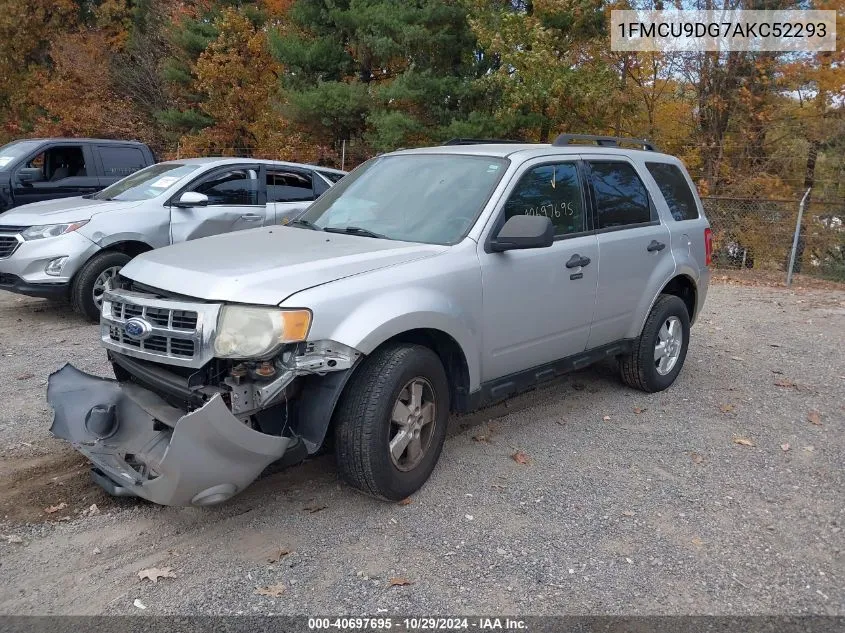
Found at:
<point>390,424</point>
<point>89,285</point>
<point>660,351</point>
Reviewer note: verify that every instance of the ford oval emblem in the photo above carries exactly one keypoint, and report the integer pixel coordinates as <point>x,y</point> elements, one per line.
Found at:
<point>137,328</point>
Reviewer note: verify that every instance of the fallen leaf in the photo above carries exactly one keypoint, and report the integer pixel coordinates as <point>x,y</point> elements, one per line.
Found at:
<point>639,410</point>
<point>696,541</point>
<point>696,458</point>
<point>53,509</point>
<point>814,417</point>
<point>278,555</point>
<point>726,408</point>
<point>520,458</point>
<point>139,604</point>
<point>628,513</point>
<point>743,441</point>
<point>784,447</point>
<point>91,511</point>
<point>26,376</point>
<point>97,550</point>
<point>606,418</point>
<point>399,582</point>
<point>314,509</point>
<point>739,358</point>
<point>405,502</point>
<point>481,438</point>
<point>13,538</point>
<point>274,591</point>
<point>783,382</point>
<point>809,449</point>
<point>154,573</point>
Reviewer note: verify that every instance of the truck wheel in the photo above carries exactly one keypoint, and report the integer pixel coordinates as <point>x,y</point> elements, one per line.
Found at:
<point>86,293</point>
<point>660,351</point>
<point>390,423</point>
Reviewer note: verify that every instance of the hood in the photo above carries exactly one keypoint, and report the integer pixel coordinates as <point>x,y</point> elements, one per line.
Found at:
<point>265,266</point>
<point>59,211</point>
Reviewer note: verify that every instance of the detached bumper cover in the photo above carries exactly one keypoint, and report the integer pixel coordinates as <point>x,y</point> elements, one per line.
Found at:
<point>199,458</point>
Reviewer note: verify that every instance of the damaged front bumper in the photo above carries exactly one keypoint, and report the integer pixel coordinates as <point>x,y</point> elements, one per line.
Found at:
<point>145,447</point>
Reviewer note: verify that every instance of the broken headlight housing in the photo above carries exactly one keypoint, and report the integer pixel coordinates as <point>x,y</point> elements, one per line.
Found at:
<point>251,332</point>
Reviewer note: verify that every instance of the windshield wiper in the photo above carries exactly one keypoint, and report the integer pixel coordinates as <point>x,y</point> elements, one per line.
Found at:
<point>355,230</point>
<point>305,223</point>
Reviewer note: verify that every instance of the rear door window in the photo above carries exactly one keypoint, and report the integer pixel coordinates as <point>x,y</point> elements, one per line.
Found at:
<point>120,161</point>
<point>289,186</point>
<point>332,176</point>
<point>621,197</point>
<point>553,191</point>
<point>675,189</point>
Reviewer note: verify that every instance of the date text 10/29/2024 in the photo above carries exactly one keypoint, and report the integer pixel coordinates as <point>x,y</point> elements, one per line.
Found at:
<point>417,624</point>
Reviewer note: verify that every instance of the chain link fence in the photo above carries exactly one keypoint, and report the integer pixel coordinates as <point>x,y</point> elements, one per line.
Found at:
<point>758,233</point>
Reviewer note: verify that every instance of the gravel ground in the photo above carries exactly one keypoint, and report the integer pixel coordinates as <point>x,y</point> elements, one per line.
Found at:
<point>629,503</point>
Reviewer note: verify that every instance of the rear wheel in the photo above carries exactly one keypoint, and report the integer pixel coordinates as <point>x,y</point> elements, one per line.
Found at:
<point>660,351</point>
<point>89,285</point>
<point>390,424</point>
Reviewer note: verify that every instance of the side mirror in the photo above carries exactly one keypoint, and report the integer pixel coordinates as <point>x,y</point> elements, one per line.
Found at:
<point>29,174</point>
<point>191,199</point>
<point>524,231</point>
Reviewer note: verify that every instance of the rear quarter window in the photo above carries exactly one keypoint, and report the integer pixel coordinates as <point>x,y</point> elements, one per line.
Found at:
<point>675,189</point>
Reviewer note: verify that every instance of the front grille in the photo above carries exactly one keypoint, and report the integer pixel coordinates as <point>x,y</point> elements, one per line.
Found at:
<point>178,332</point>
<point>8,245</point>
<point>182,347</point>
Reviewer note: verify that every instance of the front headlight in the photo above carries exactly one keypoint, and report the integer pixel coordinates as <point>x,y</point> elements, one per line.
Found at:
<point>51,230</point>
<point>246,332</point>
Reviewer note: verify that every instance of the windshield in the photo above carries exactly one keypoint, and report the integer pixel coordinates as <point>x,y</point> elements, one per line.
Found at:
<point>146,183</point>
<point>429,198</point>
<point>11,152</point>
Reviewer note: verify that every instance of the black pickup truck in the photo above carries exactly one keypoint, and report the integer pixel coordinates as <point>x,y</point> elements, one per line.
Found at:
<point>46,168</point>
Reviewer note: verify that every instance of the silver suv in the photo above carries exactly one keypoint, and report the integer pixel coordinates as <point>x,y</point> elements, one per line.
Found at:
<point>70,248</point>
<point>428,281</point>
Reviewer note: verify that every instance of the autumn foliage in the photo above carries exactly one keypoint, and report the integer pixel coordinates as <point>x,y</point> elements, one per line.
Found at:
<point>310,79</point>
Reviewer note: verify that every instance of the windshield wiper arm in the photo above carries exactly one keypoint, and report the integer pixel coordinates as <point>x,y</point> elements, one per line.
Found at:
<point>355,230</point>
<point>305,223</point>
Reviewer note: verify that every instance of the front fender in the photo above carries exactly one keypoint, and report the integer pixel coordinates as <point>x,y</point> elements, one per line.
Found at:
<point>380,318</point>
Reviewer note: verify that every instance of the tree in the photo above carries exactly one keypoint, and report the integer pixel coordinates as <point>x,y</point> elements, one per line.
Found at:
<point>388,72</point>
<point>238,80</point>
<point>550,73</point>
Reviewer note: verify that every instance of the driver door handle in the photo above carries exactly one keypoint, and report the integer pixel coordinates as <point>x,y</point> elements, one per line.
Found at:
<point>251,217</point>
<point>576,260</point>
<point>655,246</point>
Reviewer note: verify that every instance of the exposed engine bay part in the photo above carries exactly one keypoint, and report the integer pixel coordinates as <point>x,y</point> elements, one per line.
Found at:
<point>198,458</point>
<point>324,356</point>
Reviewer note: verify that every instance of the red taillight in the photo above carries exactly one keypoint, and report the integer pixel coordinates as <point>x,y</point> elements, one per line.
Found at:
<point>708,246</point>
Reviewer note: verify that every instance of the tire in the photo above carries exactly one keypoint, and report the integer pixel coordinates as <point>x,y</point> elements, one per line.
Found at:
<point>364,428</point>
<point>82,289</point>
<point>640,369</point>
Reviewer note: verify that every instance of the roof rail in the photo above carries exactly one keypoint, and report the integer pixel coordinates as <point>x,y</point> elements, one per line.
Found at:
<point>479,141</point>
<point>603,141</point>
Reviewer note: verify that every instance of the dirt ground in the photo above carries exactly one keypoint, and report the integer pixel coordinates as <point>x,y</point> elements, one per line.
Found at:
<point>723,495</point>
